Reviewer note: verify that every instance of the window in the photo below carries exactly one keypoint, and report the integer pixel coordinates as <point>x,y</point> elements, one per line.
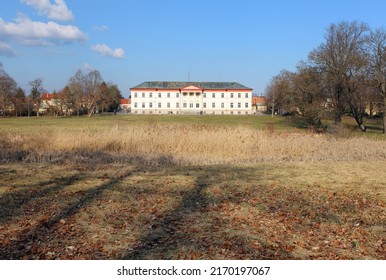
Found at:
<point>143,104</point>
<point>197,105</point>
<point>204,105</point>
<point>185,105</point>
<point>239,95</point>
<point>150,94</point>
<point>143,94</point>
<point>231,104</point>
<point>213,105</point>
<point>135,105</point>
<point>246,105</point>
<point>151,105</point>
<point>239,105</point>
<point>246,95</point>
<point>168,104</point>
<point>231,94</point>
<point>222,95</point>
<point>178,104</point>
<point>168,94</point>
<point>135,95</point>
<point>159,95</point>
<point>190,105</point>
<point>177,94</point>
<point>214,95</point>
<point>222,105</point>
<point>204,94</point>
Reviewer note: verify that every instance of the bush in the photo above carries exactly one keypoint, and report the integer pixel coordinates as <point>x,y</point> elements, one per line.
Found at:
<point>339,131</point>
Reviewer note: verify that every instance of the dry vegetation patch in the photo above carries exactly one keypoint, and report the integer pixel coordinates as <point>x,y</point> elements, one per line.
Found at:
<point>182,191</point>
<point>179,144</point>
<point>264,211</point>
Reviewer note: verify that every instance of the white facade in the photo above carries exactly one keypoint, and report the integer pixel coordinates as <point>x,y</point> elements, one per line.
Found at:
<point>191,99</point>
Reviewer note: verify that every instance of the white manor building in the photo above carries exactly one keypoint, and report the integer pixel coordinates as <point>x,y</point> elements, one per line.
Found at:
<point>220,98</point>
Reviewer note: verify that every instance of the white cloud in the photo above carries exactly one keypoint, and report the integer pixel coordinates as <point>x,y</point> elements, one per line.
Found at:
<point>101,28</point>
<point>6,50</point>
<point>57,11</point>
<point>33,33</point>
<point>107,51</point>
<point>86,67</point>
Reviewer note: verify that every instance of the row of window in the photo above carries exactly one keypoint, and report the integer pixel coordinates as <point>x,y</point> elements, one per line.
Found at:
<point>231,94</point>
<point>159,94</point>
<point>192,105</point>
<point>206,113</point>
<point>177,94</point>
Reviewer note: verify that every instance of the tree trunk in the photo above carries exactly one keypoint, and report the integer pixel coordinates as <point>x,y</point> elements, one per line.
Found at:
<point>358,116</point>
<point>91,111</point>
<point>384,114</point>
<point>360,124</point>
<point>337,118</point>
<point>382,90</point>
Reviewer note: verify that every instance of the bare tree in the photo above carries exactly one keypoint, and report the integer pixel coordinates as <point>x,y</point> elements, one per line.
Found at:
<point>358,98</point>
<point>279,92</point>
<point>19,102</point>
<point>75,96</point>
<point>309,97</point>
<point>8,88</point>
<point>341,58</point>
<point>377,52</point>
<point>86,90</point>
<point>93,81</point>
<point>65,100</point>
<point>36,93</point>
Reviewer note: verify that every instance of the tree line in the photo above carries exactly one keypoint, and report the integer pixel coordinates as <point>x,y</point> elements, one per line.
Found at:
<point>85,93</point>
<point>345,74</point>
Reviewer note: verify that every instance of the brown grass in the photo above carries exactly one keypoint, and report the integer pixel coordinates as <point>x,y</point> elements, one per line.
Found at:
<point>178,191</point>
<point>159,143</point>
<point>264,211</point>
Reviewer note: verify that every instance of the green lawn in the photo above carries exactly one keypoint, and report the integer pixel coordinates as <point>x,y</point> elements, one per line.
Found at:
<point>24,124</point>
<point>102,121</point>
<point>260,122</point>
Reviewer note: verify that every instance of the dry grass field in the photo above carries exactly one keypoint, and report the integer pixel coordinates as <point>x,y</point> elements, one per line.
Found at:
<point>179,144</point>
<point>127,189</point>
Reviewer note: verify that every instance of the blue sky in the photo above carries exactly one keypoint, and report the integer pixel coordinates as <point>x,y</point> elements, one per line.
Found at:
<point>132,41</point>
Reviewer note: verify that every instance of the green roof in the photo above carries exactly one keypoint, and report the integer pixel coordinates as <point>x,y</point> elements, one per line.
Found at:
<point>178,85</point>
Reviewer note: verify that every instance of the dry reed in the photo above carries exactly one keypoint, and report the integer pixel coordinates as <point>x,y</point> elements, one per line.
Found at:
<point>184,145</point>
